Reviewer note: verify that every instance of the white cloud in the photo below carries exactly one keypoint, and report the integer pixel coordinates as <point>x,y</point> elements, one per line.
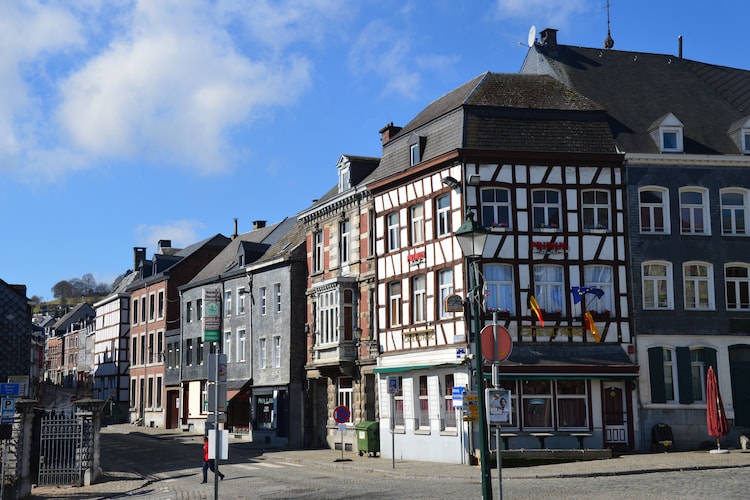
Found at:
<point>383,51</point>
<point>181,232</point>
<point>172,90</point>
<point>166,82</point>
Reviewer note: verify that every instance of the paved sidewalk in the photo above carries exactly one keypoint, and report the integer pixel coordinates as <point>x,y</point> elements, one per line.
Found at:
<point>112,486</point>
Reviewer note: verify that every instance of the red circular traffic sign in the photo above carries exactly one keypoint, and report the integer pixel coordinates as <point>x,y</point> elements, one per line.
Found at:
<point>493,350</point>
<point>341,414</point>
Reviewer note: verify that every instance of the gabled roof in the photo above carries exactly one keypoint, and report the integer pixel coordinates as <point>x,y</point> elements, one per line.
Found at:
<point>257,241</point>
<point>166,262</point>
<point>284,249</point>
<point>79,312</point>
<point>637,88</point>
<point>503,112</point>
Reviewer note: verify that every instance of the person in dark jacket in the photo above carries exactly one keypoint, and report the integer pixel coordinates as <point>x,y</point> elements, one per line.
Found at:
<point>208,463</point>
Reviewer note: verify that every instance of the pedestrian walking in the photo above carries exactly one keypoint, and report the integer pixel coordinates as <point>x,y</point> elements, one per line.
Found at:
<point>208,463</point>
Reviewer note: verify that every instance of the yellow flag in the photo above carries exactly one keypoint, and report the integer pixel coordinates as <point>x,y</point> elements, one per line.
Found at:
<point>534,305</point>
<point>591,326</point>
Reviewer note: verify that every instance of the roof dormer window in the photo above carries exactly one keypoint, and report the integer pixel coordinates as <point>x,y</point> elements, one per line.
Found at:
<point>345,174</point>
<point>667,133</point>
<point>739,132</point>
<point>416,149</point>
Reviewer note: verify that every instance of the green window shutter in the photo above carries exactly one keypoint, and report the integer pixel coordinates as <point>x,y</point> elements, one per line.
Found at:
<point>656,375</point>
<point>684,375</point>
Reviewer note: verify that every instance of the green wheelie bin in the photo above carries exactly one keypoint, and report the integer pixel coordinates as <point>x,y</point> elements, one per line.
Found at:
<point>368,438</point>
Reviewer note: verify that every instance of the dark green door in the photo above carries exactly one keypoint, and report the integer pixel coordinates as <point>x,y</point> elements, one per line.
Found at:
<point>739,367</point>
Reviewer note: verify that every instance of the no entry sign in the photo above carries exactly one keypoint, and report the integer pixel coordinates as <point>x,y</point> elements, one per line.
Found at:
<point>496,343</point>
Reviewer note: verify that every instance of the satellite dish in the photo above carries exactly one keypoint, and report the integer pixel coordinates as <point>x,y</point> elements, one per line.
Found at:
<point>532,36</point>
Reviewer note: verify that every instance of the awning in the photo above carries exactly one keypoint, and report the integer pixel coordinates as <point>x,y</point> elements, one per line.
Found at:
<point>568,361</point>
<point>409,368</point>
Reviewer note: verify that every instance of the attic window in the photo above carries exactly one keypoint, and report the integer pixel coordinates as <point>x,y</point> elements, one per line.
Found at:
<point>739,132</point>
<point>416,149</point>
<point>667,133</point>
<point>414,154</point>
<point>671,140</point>
<point>345,181</point>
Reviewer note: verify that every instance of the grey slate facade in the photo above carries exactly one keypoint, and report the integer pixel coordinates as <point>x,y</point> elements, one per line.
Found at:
<point>688,222</point>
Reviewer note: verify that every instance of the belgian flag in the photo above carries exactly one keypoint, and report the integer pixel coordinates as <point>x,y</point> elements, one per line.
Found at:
<point>534,306</point>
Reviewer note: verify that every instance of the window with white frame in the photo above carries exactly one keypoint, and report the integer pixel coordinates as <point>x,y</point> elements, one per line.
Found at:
<point>276,351</point>
<point>733,212</point>
<point>416,213</point>
<point>499,287</point>
<point>653,204</point>
<point>545,208</point>
<point>657,285</point>
<point>227,303</point>
<point>536,404</point>
<point>694,211</point>
<point>745,141</point>
<point>228,344</point>
<point>151,306</point>
<point>277,297</point>
<point>160,305</point>
<point>241,300</point>
<point>496,207</point>
<point>670,376</point>
<point>241,345</point>
<point>394,303</point>
<point>327,318</point>
<point>598,277</point>
<point>346,394</point>
<point>414,154</point>
<point>158,391</point>
<point>698,374</point>
<point>548,288</point>
<point>344,241</point>
<point>449,412</point>
<point>737,279</point>
<point>423,404</point>
<point>418,299</point>
<point>572,407</point>
<point>671,139</point>
<point>393,231</point>
<point>445,288</point>
<point>699,288</point>
<point>263,300</point>
<point>317,256</point>
<point>398,402</point>
<point>595,208</point>
<point>262,352</point>
<point>443,215</point>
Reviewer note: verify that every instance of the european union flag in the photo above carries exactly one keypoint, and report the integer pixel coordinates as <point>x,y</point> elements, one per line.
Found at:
<point>579,292</point>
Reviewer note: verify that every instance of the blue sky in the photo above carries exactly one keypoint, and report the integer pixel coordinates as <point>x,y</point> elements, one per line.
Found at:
<point>126,122</point>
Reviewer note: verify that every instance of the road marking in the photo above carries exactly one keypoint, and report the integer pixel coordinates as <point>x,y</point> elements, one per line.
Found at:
<point>291,464</point>
<point>246,466</point>
<point>270,466</point>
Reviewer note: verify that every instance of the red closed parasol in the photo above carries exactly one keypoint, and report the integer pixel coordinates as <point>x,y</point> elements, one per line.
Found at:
<point>716,418</point>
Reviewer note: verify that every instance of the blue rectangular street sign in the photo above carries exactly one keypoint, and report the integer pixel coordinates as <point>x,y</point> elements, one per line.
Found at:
<point>10,389</point>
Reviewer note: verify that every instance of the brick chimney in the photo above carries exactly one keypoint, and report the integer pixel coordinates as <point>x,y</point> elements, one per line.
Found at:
<point>257,224</point>
<point>387,133</point>
<point>164,244</point>
<point>139,255</point>
<point>548,41</point>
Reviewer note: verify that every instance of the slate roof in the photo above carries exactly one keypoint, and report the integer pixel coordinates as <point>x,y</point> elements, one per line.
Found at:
<point>503,112</point>
<point>285,247</point>
<point>226,261</point>
<point>637,88</point>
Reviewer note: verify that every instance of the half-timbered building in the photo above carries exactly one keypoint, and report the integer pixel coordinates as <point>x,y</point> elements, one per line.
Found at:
<point>536,164</point>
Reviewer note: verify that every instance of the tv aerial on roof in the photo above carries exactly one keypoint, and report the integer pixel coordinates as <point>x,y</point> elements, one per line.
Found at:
<point>532,36</point>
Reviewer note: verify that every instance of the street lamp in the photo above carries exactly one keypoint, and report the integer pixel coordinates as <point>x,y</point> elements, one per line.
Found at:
<point>471,238</point>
